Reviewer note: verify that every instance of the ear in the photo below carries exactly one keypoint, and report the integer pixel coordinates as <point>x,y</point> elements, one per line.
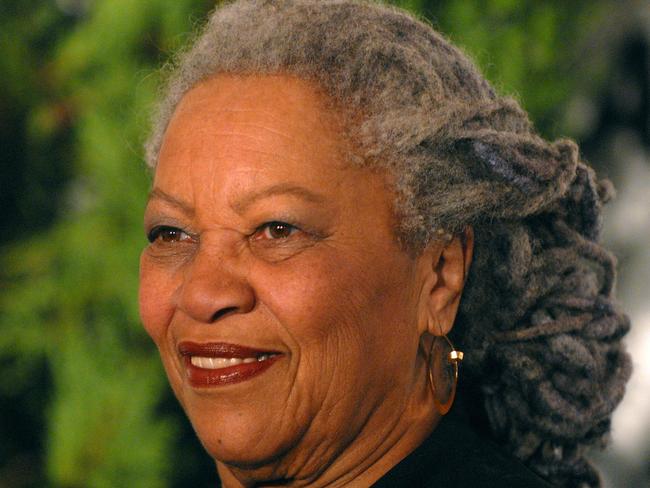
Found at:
<point>444,266</point>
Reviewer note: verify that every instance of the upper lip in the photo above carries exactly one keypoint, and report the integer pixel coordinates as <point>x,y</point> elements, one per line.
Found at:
<point>220,350</point>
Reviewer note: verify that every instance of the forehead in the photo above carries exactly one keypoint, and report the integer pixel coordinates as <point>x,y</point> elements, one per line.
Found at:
<point>272,108</point>
<point>233,137</point>
<point>259,123</point>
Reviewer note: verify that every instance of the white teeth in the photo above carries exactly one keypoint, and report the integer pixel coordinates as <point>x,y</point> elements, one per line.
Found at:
<point>218,363</point>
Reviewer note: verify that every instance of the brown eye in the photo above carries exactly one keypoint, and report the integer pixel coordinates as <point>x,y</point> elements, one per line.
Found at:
<point>278,230</point>
<point>167,235</point>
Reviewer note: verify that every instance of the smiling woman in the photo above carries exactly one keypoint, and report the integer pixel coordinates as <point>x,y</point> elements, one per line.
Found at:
<point>278,269</point>
<point>312,229</point>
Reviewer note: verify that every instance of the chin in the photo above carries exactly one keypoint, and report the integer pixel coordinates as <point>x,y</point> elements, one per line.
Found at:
<point>242,437</point>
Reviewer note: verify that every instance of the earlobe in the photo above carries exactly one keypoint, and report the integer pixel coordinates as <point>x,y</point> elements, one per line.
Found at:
<point>449,268</point>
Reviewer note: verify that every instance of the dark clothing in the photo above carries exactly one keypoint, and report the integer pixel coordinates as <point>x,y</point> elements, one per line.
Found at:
<point>453,457</point>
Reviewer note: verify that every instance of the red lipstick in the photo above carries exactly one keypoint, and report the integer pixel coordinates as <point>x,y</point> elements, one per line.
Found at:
<point>218,363</point>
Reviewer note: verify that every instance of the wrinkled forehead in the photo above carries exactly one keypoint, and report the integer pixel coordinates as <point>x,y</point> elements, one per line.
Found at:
<point>231,135</point>
<point>277,111</point>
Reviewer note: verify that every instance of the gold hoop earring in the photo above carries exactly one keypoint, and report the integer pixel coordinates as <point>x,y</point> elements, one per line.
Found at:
<point>443,372</point>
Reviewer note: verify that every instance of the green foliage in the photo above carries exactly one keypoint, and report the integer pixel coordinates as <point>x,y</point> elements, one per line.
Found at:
<point>101,426</point>
<point>69,294</point>
<point>78,88</point>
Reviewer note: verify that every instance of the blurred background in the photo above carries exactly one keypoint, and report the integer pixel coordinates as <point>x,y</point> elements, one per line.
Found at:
<point>84,401</point>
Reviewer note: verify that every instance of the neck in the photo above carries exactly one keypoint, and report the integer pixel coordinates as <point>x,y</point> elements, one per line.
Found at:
<point>370,455</point>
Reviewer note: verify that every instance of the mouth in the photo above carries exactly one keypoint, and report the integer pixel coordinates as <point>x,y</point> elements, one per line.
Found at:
<point>217,364</point>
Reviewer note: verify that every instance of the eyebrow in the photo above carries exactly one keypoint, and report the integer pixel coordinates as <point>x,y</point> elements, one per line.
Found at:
<point>158,194</point>
<point>240,205</point>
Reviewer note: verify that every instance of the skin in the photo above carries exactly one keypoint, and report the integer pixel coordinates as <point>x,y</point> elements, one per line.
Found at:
<point>347,307</point>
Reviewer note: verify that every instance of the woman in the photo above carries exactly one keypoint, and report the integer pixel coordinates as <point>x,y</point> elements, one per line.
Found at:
<point>330,178</point>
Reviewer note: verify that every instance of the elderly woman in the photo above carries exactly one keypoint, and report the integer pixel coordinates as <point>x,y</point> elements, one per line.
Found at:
<point>330,177</point>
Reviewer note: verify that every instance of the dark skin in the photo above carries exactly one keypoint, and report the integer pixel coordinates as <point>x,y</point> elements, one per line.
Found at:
<point>272,225</point>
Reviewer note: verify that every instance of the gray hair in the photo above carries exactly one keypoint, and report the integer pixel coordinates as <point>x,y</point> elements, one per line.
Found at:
<point>538,321</point>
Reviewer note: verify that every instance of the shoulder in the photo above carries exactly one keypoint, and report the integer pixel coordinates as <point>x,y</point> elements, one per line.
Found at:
<point>454,456</point>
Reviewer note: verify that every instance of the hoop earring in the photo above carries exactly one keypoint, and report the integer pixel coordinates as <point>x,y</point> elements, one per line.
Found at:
<point>443,371</point>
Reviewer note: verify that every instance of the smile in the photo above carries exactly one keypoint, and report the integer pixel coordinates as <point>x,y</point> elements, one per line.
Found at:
<point>216,364</point>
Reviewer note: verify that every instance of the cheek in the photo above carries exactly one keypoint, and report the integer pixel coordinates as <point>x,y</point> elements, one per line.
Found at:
<point>305,298</point>
<point>349,322</point>
<point>155,298</point>
<point>329,300</point>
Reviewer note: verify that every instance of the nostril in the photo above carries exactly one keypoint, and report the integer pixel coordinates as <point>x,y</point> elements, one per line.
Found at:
<point>223,312</point>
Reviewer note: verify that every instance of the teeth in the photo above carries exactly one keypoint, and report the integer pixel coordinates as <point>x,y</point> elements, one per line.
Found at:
<point>218,363</point>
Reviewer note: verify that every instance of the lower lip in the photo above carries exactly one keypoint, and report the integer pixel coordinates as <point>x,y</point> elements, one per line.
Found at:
<point>207,378</point>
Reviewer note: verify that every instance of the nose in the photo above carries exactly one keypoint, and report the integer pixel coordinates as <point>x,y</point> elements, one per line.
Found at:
<point>215,284</point>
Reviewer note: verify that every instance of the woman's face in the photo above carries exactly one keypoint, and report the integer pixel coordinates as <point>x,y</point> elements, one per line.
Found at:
<point>283,307</point>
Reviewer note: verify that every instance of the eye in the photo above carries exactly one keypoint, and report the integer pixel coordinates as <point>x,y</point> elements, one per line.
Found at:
<point>276,230</point>
<point>167,234</point>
